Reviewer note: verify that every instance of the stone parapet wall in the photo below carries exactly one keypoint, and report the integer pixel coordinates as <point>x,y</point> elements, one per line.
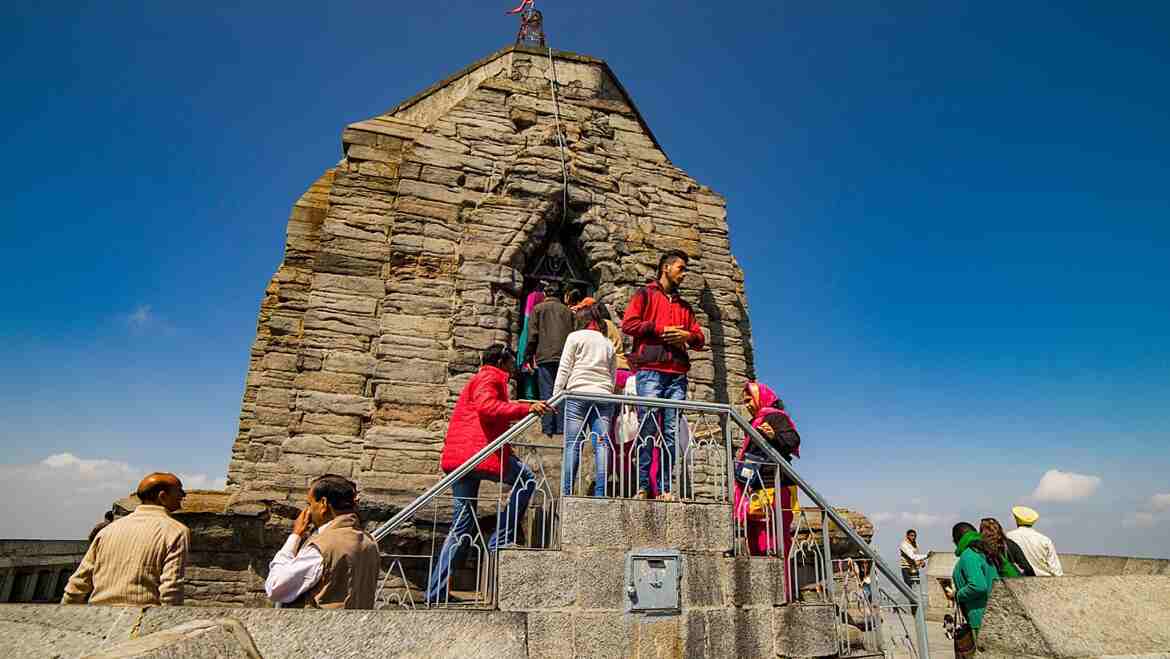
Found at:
<point>70,632</point>
<point>939,566</point>
<point>1117,616</point>
<point>398,263</point>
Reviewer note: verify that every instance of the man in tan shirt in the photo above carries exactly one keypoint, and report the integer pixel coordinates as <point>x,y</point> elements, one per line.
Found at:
<point>335,568</point>
<point>140,559</point>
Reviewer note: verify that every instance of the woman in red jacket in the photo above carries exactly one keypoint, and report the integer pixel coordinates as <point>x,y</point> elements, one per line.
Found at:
<point>482,413</point>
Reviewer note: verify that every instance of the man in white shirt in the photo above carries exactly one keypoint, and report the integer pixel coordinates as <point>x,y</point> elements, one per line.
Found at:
<point>1038,548</point>
<point>911,561</point>
<point>336,568</point>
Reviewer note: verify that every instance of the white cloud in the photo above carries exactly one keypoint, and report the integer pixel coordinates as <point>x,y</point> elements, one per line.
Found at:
<point>1140,520</point>
<point>201,481</point>
<point>1160,502</point>
<point>1059,486</point>
<point>63,495</point>
<point>912,519</point>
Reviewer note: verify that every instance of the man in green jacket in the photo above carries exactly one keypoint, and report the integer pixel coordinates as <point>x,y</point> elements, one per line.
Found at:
<point>973,574</point>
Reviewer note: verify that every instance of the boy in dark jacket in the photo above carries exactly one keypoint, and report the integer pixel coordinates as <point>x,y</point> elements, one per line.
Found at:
<point>663,326</point>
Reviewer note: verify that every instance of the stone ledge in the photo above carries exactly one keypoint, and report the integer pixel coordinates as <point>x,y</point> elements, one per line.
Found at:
<point>201,639</point>
<point>1078,616</point>
<point>630,524</point>
<point>53,630</point>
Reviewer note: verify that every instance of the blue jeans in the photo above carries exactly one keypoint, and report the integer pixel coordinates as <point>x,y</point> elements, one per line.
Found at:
<point>552,423</point>
<point>584,419</point>
<point>464,530</point>
<point>655,384</point>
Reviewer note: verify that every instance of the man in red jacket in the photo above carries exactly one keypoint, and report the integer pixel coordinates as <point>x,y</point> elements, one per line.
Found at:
<point>482,413</point>
<point>663,326</point>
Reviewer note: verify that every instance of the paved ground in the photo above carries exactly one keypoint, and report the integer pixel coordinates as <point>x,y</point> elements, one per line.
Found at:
<point>894,634</point>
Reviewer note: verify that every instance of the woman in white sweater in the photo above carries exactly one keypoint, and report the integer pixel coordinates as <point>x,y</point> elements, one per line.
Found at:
<point>588,366</point>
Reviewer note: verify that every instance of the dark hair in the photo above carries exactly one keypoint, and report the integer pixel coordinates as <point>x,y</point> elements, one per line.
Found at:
<point>339,491</point>
<point>603,310</point>
<point>963,528</point>
<point>589,314</point>
<point>573,296</point>
<point>109,515</point>
<point>670,257</point>
<point>497,353</point>
<point>550,288</point>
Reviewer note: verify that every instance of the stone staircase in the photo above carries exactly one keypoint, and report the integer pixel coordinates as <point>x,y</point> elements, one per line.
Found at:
<point>577,603</point>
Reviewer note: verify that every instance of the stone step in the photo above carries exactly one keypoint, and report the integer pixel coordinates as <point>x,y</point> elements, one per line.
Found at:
<point>594,579</point>
<point>588,522</point>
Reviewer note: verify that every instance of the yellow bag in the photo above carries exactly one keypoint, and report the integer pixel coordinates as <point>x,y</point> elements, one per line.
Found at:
<point>764,500</point>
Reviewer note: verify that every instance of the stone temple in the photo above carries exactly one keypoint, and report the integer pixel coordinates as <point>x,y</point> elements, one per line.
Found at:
<point>405,260</point>
<point>412,254</point>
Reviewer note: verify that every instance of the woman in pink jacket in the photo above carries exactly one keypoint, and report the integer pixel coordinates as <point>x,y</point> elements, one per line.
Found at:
<point>754,474</point>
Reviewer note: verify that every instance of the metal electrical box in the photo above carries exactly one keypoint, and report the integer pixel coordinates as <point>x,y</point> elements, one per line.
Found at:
<point>654,581</point>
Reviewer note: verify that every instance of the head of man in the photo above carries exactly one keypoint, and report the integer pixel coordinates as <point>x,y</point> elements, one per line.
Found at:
<point>329,496</point>
<point>161,489</point>
<point>573,296</point>
<point>500,356</point>
<point>1025,516</point>
<point>672,269</point>
<point>961,529</point>
<point>109,515</point>
<point>551,289</point>
<point>912,536</point>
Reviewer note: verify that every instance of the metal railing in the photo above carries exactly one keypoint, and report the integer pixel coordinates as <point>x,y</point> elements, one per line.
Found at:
<point>869,619</point>
<point>699,466</point>
<point>829,514</point>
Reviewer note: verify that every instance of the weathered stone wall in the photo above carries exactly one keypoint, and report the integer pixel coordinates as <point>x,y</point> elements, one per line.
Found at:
<point>397,262</point>
<point>37,570</point>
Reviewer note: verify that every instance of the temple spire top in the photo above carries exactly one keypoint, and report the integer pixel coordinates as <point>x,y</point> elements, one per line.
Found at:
<point>531,31</point>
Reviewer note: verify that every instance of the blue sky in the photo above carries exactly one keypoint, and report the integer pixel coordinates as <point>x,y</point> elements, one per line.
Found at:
<point>954,220</point>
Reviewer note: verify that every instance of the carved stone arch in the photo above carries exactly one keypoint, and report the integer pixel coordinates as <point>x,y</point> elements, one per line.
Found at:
<point>561,259</point>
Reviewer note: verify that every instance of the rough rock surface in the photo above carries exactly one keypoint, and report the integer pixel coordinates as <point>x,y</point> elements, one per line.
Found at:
<point>1078,617</point>
<point>399,261</point>
<point>201,639</point>
<point>35,631</point>
<point>359,634</point>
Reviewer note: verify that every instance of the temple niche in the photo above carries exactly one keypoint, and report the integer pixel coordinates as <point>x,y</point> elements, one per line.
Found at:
<point>414,253</point>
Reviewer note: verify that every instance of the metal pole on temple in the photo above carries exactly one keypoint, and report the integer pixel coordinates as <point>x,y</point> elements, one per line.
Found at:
<point>531,31</point>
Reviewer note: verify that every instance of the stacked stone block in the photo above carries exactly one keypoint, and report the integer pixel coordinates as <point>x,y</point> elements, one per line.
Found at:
<point>398,261</point>
<point>730,606</point>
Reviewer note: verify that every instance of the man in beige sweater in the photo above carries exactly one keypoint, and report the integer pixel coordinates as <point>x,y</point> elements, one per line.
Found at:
<point>140,559</point>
